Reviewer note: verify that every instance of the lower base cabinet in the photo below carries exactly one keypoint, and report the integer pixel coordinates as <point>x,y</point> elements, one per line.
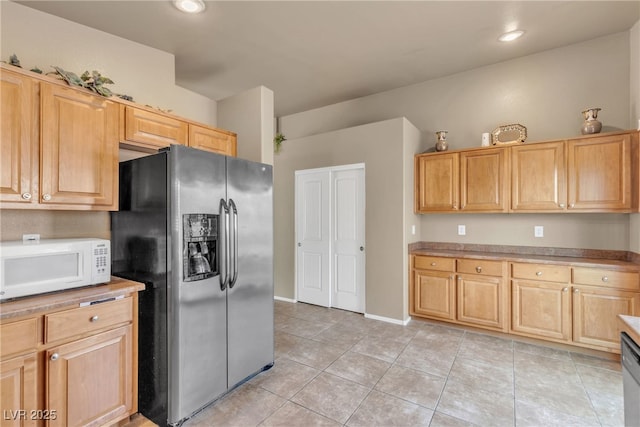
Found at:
<point>71,366</point>
<point>561,303</point>
<point>89,381</point>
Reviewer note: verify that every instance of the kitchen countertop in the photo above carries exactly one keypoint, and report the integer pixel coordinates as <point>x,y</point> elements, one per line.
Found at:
<point>67,298</point>
<point>630,325</point>
<point>616,260</point>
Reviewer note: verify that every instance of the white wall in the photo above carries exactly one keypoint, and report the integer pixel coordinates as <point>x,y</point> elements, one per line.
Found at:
<point>147,74</point>
<point>545,92</point>
<point>385,148</point>
<point>250,115</point>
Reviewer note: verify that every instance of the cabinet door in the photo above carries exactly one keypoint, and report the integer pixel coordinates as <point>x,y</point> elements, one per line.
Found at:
<point>19,143</point>
<point>212,140</point>
<point>436,183</point>
<point>90,381</point>
<point>434,294</point>
<point>538,177</point>
<point>483,180</point>
<point>541,309</point>
<point>481,301</point>
<point>153,130</point>
<point>19,391</point>
<point>79,150</point>
<point>599,174</point>
<point>595,312</point>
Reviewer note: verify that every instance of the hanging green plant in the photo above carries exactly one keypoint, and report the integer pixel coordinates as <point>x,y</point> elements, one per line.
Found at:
<point>277,141</point>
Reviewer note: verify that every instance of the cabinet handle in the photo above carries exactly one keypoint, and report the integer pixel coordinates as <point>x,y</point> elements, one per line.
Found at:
<point>94,318</point>
<point>572,205</point>
<point>538,273</point>
<point>605,279</point>
<point>576,291</point>
<point>450,277</point>
<point>26,196</point>
<point>562,205</point>
<point>478,269</point>
<point>433,264</point>
<point>54,357</point>
<point>455,206</point>
<point>46,197</point>
<point>565,289</point>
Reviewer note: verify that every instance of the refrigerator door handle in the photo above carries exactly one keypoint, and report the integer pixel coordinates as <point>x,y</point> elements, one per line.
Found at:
<point>223,244</point>
<point>234,256</point>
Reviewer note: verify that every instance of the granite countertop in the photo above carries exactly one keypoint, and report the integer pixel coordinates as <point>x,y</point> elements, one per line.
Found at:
<point>68,298</point>
<point>630,325</point>
<point>617,260</point>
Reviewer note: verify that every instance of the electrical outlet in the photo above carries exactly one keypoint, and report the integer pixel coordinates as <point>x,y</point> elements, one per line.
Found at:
<point>538,231</point>
<point>413,230</point>
<point>26,238</point>
<point>462,230</point>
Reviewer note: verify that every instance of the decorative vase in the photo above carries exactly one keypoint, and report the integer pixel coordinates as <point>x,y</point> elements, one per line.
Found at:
<point>590,124</point>
<point>441,143</point>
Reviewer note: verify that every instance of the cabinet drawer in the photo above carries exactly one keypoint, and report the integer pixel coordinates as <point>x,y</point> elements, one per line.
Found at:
<point>19,337</point>
<point>434,263</point>
<point>613,279</point>
<point>79,321</point>
<point>476,266</point>
<point>547,273</point>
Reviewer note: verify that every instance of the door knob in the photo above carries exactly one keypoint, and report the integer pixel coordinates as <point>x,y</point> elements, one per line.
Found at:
<point>361,248</point>
<point>299,244</point>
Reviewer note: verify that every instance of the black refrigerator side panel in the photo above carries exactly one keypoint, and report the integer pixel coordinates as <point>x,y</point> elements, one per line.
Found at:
<point>139,252</point>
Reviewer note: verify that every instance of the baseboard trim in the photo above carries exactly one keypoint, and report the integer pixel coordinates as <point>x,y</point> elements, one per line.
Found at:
<point>388,319</point>
<point>277,298</point>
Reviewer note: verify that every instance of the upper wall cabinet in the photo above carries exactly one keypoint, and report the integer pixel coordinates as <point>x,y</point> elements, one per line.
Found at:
<point>19,138</point>
<point>76,165</point>
<point>596,173</point>
<point>465,181</point>
<point>145,129</point>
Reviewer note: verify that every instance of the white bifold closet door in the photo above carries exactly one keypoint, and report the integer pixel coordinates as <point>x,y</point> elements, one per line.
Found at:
<point>330,237</point>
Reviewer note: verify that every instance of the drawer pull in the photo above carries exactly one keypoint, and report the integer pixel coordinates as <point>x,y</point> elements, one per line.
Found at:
<point>54,357</point>
<point>478,269</point>
<point>26,196</point>
<point>46,197</point>
<point>538,273</point>
<point>94,318</point>
<point>433,264</point>
<point>565,289</point>
<point>605,279</point>
<point>576,291</point>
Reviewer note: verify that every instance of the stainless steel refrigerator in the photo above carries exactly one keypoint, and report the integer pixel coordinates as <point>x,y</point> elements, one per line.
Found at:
<point>197,229</point>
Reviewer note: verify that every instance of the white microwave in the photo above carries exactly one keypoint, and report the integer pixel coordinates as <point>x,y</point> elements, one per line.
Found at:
<point>36,267</point>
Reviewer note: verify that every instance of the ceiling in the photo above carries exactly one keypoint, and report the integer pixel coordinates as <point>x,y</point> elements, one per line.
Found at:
<point>316,53</point>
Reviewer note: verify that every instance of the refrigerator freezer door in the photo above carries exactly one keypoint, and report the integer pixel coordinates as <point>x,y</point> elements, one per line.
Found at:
<point>197,333</point>
<point>250,296</point>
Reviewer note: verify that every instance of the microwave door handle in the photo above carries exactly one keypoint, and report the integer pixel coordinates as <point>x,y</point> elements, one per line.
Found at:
<point>234,257</point>
<point>224,245</point>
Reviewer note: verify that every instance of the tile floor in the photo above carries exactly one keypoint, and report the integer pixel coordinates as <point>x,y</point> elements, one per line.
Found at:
<point>337,368</point>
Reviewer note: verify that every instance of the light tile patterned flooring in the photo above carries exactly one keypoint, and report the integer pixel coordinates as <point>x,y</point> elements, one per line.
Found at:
<point>337,368</point>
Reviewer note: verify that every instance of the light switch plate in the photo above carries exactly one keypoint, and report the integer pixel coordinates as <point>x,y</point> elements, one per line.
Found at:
<point>462,230</point>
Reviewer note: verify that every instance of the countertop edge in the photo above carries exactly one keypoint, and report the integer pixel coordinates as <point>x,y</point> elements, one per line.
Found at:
<point>619,260</point>
<point>630,325</point>
<point>57,300</point>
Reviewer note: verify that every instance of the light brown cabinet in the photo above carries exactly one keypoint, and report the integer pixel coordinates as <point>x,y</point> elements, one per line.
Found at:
<point>437,185</point>
<point>142,129</point>
<point>482,294</point>
<point>433,287</point>
<point>538,177</point>
<point>76,164</point>
<point>72,365</point>
<point>596,173</point>
<point>19,138</point>
<point>472,293</point>
<point>579,305</point>
<point>483,183</point>
<point>470,181</point>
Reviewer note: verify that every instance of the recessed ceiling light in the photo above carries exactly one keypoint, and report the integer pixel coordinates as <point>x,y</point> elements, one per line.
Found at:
<point>511,36</point>
<point>189,6</point>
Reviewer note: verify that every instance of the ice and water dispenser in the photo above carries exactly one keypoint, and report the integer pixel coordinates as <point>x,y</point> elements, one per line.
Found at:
<point>200,233</point>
